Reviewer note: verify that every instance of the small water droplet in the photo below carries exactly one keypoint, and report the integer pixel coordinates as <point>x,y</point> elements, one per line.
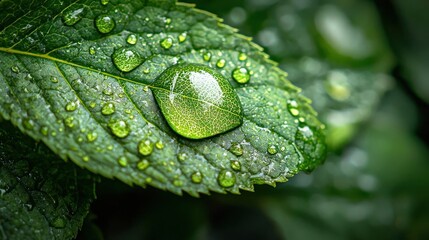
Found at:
<point>145,88</point>
<point>146,70</point>
<point>15,69</point>
<point>182,157</point>
<point>132,39</point>
<point>220,63</point>
<point>92,50</point>
<point>69,122</point>
<point>241,75</point>
<point>148,179</point>
<point>242,56</point>
<point>197,177</point>
<point>236,149</point>
<point>104,23</point>
<point>71,106</point>
<point>92,136</point>
<point>226,178</point>
<point>145,147</point>
<point>104,2</point>
<point>72,16</point>
<point>119,128</point>
<point>54,79</point>
<point>177,183</point>
<point>182,37</point>
<point>272,149</point>
<point>292,106</point>
<point>85,158</point>
<point>207,56</point>
<point>123,161</point>
<point>28,123</point>
<point>143,164</point>
<point>126,59</point>
<point>108,109</point>
<point>159,145</point>
<point>92,104</point>
<point>44,131</point>
<point>167,42</point>
<point>235,165</point>
<point>167,21</point>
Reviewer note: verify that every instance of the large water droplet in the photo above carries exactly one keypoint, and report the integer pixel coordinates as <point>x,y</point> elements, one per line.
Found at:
<point>197,177</point>
<point>132,39</point>
<point>145,147</point>
<point>73,15</point>
<point>126,59</point>
<point>226,178</point>
<point>119,128</point>
<point>104,23</point>
<point>241,75</point>
<point>108,109</point>
<point>167,42</point>
<point>236,149</point>
<point>197,101</point>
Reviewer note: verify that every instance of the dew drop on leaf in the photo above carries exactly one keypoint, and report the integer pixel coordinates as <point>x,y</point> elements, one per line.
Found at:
<point>92,50</point>
<point>182,157</point>
<point>69,122</point>
<point>58,222</point>
<point>126,59</point>
<point>236,149</point>
<point>292,106</point>
<point>159,145</point>
<point>177,183</point>
<point>44,131</point>
<point>119,128</point>
<point>182,37</point>
<point>104,2</point>
<point>104,23</point>
<point>220,63</point>
<point>15,69</point>
<point>197,177</point>
<point>123,161</point>
<point>272,149</point>
<point>242,56</point>
<point>207,56</point>
<point>236,165</point>
<point>28,123</point>
<point>92,136</point>
<point>71,106</point>
<point>85,158</point>
<point>241,75</point>
<point>145,147</point>
<point>108,109</point>
<point>143,164</point>
<point>73,15</point>
<point>197,101</point>
<point>54,79</point>
<point>132,39</point>
<point>226,178</point>
<point>167,42</point>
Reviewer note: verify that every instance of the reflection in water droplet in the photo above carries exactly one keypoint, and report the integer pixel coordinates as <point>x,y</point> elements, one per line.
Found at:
<point>71,106</point>
<point>108,109</point>
<point>104,23</point>
<point>235,165</point>
<point>226,178</point>
<point>145,147</point>
<point>236,149</point>
<point>72,16</point>
<point>220,63</point>
<point>272,149</point>
<point>197,177</point>
<point>167,42</point>
<point>143,164</point>
<point>241,75</point>
<point>119,128</point>
<point>123,161</point>
<point>132,39</point>
<point>126,59</point>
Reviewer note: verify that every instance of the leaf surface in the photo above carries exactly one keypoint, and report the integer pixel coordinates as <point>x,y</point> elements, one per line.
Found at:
<point>60,83</point>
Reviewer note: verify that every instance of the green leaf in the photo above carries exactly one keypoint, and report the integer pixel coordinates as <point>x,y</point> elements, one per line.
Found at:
<point>59,84</point>
<point>41,196</point>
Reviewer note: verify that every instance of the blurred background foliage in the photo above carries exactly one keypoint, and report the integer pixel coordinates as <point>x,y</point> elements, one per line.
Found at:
<point>365,65</point>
